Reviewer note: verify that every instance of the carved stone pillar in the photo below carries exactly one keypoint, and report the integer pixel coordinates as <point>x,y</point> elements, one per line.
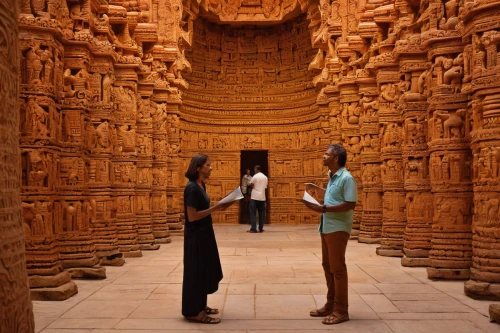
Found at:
<point>335,120</point>
<point>450,159</point>
<point>419,210</point>
<point>73,212</point>
<point>160,171</point>
<point>481,81</point>
<point>144,145</point>
<point>370,159</point>
<point>351,112</point>
<point>99,141</point>
<point>394,215</point>
<point>124,160</point>
<point>15,299</point>
<point>174,186</point>
<point>41,135</point>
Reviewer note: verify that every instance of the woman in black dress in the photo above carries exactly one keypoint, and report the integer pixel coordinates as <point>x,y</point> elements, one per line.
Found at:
<point>202,268</point>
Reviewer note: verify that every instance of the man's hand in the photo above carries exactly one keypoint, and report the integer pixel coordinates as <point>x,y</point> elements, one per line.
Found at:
<point>315,191</point>
<point>314,207</point>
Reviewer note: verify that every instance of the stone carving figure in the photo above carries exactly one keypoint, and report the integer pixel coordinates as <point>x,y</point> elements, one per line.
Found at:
<point>451,211</point>
<point>103,133</point>
<point>70,218</point>
<point>28,211</point>
<point>34,66</point>
<point>38,118</point>
<point>107,83</point>
<point>370,105</point>
<point>127,137</point>
<point>38,169</point>
<point>477,115</point>
<point>415,131</point>
<point>450,20</point>
<point>453,123</point>
<point>388,93</point>
<point>454,74</point>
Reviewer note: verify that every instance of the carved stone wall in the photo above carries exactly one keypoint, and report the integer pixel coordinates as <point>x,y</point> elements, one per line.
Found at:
<point>117,97</point>
<point>16,309</point>
<point>255,85</point>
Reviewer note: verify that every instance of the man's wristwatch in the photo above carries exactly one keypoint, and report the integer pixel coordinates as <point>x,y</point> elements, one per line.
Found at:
<point>324,208</point>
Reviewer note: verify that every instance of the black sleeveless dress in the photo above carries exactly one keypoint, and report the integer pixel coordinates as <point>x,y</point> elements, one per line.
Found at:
<point>202,267</point>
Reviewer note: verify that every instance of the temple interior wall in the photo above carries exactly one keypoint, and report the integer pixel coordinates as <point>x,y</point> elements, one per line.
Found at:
<point>253,83</point>
<point>116,96</point>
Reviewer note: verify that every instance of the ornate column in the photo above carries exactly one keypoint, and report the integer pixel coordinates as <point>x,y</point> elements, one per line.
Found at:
<point>41,121</point>
<point>73,212</point>
<point>450,157</point>
<point>16,309</point>
<point>174,184</point>
<point>351,111</point>
<point>418,233</point>
<point>480,26</point>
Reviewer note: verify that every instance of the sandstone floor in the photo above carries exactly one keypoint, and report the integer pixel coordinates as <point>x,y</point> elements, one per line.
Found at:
<point>271,282</point>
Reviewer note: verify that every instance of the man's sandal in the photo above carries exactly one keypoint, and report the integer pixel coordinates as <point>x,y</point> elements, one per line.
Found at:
<point>209,310</point>
<point>320,312</point>
<point>203,318</point>
<point>335,319</point>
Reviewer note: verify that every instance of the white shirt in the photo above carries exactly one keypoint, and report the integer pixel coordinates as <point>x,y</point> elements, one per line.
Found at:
<point>259,181</point>
<point>244,183</point>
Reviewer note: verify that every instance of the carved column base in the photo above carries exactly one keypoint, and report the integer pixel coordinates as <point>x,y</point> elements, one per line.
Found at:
<point>415,262</point>
<point>448,273</point>
<point>370,230</point>
<point>392,242</point>
<point>60,293</point>
<point>52,288</point>
<point>127,238</point>
<point>87,272</point>
<point>482,290</point>
<point>77,256</point>
<point>368,240</point>
<point>145,236</point>
<point>111,258</point>
<point>103,229</point>
<point>131,253</point>
<point>495,312</point>
<point>174,224</point>
<point>354,233</point>
<point>417,244</point>
<point>160,229</point>
<point>165,240</point>
<point>388,252</point>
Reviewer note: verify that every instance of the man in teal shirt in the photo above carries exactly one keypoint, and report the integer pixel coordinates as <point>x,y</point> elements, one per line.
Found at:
<point>335,227</point>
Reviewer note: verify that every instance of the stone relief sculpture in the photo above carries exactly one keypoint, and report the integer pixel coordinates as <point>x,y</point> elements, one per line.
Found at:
<point>114,100</point>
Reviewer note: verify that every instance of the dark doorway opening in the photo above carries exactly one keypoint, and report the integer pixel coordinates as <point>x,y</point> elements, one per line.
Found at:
<point>249,159</point>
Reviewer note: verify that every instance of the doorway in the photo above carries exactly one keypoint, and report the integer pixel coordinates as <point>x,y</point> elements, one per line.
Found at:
<point>249,159</point>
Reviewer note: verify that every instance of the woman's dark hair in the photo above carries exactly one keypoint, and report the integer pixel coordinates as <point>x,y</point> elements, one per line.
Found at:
<point>196,162</point>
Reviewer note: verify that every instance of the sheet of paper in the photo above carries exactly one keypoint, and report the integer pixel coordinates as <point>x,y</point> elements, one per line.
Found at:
<point>308,198</point>
<point>236,194</point>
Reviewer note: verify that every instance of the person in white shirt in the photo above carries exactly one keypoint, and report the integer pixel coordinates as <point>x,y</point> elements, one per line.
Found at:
<point>258,199</point>
<point>245,181</point>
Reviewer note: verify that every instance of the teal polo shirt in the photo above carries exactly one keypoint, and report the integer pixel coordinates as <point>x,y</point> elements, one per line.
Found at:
<point>341,188</point>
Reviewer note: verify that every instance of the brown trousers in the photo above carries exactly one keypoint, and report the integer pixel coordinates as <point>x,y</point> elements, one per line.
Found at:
<point>333,252</point>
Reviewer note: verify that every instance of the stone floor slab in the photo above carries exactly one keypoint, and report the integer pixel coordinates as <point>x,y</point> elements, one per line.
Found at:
<point>102,309</point>
<point>284,306</point>
<point>271,282</point>
<point>426,326</point>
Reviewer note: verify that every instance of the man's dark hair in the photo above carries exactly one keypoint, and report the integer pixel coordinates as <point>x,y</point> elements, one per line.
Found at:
<point>338,150</point>
<point>196,162</point>
<point>257,167</point>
